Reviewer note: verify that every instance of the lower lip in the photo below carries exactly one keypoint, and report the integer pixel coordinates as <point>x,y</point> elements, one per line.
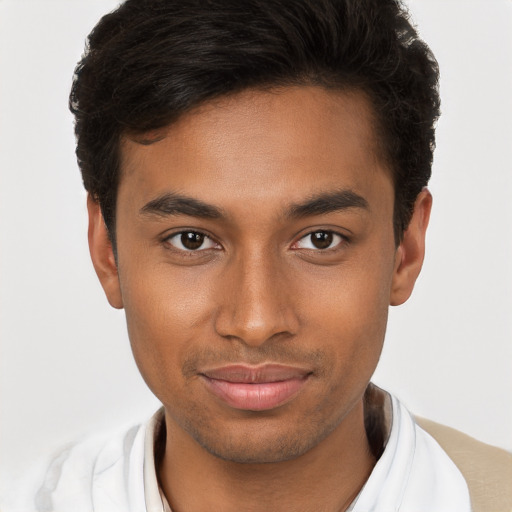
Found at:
<point>255,397</point>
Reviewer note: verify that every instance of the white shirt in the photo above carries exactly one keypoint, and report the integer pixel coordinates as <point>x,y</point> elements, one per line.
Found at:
<point>413,474</point>
<point>117,474</point>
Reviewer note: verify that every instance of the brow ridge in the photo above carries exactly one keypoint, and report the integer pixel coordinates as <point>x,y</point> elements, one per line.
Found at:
<point>328,202</point>
<point>171,203</point>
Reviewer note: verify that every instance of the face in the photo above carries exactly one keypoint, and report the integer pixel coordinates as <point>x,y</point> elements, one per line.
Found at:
<point>256,264</point>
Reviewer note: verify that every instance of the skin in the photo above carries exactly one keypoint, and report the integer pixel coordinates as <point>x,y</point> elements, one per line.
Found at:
<point>259,291</point>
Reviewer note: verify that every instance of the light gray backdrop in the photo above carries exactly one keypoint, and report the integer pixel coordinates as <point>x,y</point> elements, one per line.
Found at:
<point>65,362</point>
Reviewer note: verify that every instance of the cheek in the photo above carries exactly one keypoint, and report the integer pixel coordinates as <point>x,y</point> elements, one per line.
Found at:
<point>166,314</point>
<point>354,331</point>
<point>350,311</point>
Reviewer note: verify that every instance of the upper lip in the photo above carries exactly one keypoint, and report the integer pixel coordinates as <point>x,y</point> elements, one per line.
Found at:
<point>242,373</point>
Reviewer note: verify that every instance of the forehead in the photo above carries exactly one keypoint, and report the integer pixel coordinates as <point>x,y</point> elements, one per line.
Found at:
<point>261,145</point>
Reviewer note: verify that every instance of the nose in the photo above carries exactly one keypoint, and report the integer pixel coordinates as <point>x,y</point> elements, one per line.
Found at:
<point>256,303</point>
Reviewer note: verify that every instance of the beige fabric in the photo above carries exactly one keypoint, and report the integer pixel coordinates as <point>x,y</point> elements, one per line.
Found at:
<point>487,469</point>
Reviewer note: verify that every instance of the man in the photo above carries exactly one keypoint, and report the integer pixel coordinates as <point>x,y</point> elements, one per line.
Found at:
<point>256,175</point>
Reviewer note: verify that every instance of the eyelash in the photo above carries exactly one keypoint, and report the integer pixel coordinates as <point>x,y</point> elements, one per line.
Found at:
<point>179,235</point>
<point>342,239</point>
<point>330,234</point>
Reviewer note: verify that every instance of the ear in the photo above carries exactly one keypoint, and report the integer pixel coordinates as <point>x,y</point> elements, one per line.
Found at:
<point>102,254</point>
<point>411,251</point>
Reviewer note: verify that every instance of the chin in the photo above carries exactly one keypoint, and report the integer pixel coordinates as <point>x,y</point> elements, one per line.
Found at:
<point>260,443</point>
<point>257,453</point>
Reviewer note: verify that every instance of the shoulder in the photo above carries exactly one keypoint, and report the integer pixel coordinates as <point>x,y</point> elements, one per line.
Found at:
<point>101,472</point>
<point>486,469</point>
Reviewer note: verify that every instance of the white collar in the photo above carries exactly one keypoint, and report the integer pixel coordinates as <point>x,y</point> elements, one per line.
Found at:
<point>155,498</point>
<point>413,474</point>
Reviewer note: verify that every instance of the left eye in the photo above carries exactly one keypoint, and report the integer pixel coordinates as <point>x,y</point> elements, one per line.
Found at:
<point>191,241</point>
<point>319,240</point>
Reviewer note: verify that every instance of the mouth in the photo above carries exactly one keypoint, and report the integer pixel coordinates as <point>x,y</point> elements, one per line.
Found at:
<point>255,388</point>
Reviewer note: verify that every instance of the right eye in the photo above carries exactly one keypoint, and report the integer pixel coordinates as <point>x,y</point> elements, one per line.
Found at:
<point>191,241</point>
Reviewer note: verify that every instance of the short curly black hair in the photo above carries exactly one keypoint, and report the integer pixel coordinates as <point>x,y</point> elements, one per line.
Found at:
<point>150,61</point>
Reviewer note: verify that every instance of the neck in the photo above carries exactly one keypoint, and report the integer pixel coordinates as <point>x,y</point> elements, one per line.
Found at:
<point>328,477</point>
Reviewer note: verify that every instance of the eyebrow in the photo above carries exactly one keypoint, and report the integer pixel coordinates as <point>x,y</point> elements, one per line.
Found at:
<point>176,204</point>
<point>328,202</point>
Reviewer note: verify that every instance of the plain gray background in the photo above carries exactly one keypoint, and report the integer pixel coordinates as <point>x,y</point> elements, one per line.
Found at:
<point>65,362</point>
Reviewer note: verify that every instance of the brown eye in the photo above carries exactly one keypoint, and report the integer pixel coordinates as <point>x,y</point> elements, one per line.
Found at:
<point>320,240</point>
<point>191,241</point>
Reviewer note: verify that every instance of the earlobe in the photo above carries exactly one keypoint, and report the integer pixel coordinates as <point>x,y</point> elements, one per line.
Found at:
<point>411,251</point>
<point>102,254</point>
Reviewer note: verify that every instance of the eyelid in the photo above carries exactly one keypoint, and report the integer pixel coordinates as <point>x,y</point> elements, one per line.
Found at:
<point>342,240</point>
<point>169,236</point>
<point>213,244</point>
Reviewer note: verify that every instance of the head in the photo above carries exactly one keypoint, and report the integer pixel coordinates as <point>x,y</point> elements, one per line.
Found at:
<point>255,174</point>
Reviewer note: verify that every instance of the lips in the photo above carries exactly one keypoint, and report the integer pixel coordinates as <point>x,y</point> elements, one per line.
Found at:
<point>255,388</point>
